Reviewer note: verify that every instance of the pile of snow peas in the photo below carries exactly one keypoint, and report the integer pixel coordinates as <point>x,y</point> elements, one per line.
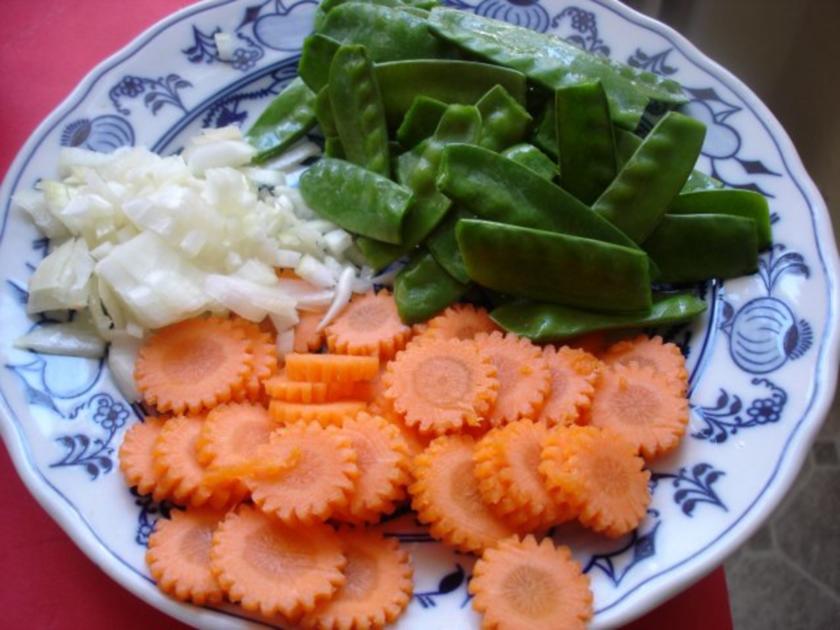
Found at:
<point>503,164</point>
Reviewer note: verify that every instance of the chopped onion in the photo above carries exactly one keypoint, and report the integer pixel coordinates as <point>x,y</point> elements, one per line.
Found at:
<point>315,272</point>
<point>122,357</point>
<point>34,204</point>
<point>256,271</point>
<point>297,153</point>
<point>224,45</point>
<point>337,242</point>
<point>285,344</point>
<point>248,299</point>
<point>77,339</point>
<point>343,291</point>
<point>61,280</point>
<point>265,176</point>
<point>287,258</point>
<point>215,152</point>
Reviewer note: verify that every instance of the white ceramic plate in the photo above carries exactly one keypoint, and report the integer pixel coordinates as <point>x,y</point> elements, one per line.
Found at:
<point>763,362</point>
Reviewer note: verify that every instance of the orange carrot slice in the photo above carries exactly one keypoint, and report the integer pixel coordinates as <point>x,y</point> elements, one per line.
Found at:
<point>507,461</point>
<point>652,352</point>
<point>378,586</point>
<point>573,375</point>
<point>369,325</point>
<point>179,556</point>
<point>330,367</point>
<point>642,406</point>
<point>136,460</point>
<point>445,496</point>
<point>415,441</point>
<point>280,387</point>
<point>524,377</point>
<point>525,584</point>
<point>307,336</point>
<point>441,385</point>
<point>599,474</point>
<point>271,568</point>
<point>264,355</point>
<point>383,461</point>
<point>193,365</point>
<point>319,482</point>
<point>326,414</point>
<point>462,321</point>
<point>231,434</point>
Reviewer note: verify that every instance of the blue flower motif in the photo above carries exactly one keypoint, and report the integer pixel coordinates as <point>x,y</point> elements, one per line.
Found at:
<point>765,410</point>
<point>110,415</point>
<point>130,86</point>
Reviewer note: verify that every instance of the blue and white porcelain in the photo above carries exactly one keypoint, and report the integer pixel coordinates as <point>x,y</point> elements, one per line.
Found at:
<point>763,361</point>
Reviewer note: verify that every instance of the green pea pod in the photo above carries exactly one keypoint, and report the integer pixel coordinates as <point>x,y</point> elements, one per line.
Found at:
<point>545,135</point>
<point>443,245</point>
<point>448,81</point>
<point>324,114</point>
<point>327,5</point>
<point>552,267</point>
<point>422,289</point>
<point>739,203</point>
<point>315,60</point>
<point>548,323</point>
<point>696,247</point>
<point>420,121</point>
<point>356,199</point>
<point>553,63</point>
<point>333,147</point>
<point>286,119</point>
<point>504,121</point>
<point>585,140</point>
<point>530,156</point>
<point>357,109</point>
<point>639,195</point>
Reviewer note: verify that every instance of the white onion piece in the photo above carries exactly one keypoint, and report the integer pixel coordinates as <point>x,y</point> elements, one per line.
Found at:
<point>294,155</point>
<point>33,203</point>
<point>285,344</point>
<point>61,280</point>
<point>122,357</point>
<point>77,339</point>
<point>337,242</point>
<point>315,272</point>
<point>225,45</point>
<point>343,291</point>
<point>248,299</point>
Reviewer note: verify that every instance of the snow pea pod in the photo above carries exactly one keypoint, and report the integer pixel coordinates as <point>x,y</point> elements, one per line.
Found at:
<point>286,119</point>
<point>422,289</point>
<point>552,62</point>
<point>324,114</point>
<point>504,121</point>
<point>545,135</point>
<point>333,147</point>
<point>327,5</point>
<point>639,195</point>
<point>358,111</point>
<point>544,323</point>
<point>584,140</point>
<point>449,81</point>
<point>315,60</point>
<point>443,245</point>
<point>356,199</point>
<point>695,247</point>
<point>739,203</point>
<point>552,267</point>
<point>530,156</point>
<point>420,121</point>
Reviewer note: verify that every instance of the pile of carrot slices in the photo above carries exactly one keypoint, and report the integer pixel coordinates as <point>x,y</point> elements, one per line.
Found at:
<point>285,465</point>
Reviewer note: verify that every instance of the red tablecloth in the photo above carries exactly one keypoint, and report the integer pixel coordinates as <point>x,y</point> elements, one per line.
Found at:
<point>45,49</point>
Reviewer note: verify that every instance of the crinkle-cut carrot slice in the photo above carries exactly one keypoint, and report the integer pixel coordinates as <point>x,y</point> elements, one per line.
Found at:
<point>320,482</point>
<point>280,387</point>
<point>652,352</point>
<point>383,461</point>
<point>441,385</point>
<point>307,336</point>
<point>369,325</point>
<point>599,474</point>
<point>327,368</point>
<point>231,433</point>
<point>507,463</point>
<point>524,377</point>
<point>525,585</point>
<point>573,374</point>
<point>179,555</point>
<point>193,365</point>
<point>272,568</point>
<point>445,496</point>
<point>642,406</point>
<point>462,321</point>
<point>594,343</point>
<point>326,414</point>
<point>136,460</point>
<point>264,355</point>
<point>251,468</point>
<point>378,586</point>
<point>415,441</point>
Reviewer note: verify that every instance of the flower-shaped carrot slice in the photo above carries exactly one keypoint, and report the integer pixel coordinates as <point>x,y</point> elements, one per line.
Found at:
<point>179,555</point>
<point>445,496</point>
<point>642,406</point>
<point>231,433</point>
<point>441,385</point>
<point>573,373</point>
<point>528,585</point>
<point>652,352</point>
<point>369,325</point>
<point>271,568</point>
<point>415,441</point>
<point>326,414</point>
<point>507,462</point>
<point>264,356</point>
<point>136,459</point>
<point>524,377</point>
<point>307,336</point>
<point>599,474</point>
<point>331,367</point>
<point>462,321</point>
<point>280,387</point>
<point>319,481</point>
<point>193,365</point>
<point>378,586</point>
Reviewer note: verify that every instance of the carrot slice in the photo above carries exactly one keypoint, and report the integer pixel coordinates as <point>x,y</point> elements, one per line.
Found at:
<point>441,385</point>
<point>193,365</point>
<point>378,586</point>
<point>179,556</point>
<point>330,367</point>
<point>642,406</point>
<point>507,461</point>
<point>307,336</point>
<point>594,343</point>
<point>280,387</point>
<point>445,496</point>
<point>264,355</point>
<point>462,321</point>
<point>231,434</point>
<point>415,441</point>
<point>326,414</point>
<point>652,352</point>
<point>370,325</point>
<point>136,460</point>
<point>383,461</point>
<point>573,375</point>
<point>320,481</point>
<point>524,377</point>
<point>271,568</point>
<point>599,474</point>
<point>525,584</point>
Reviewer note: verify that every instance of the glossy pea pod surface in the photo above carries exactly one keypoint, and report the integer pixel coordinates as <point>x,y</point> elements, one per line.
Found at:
<point>531,157</point>
<point>315,60</point>
<point>286,119</point>
<point>423,288</point>
<point>504,121</point>
<point>740,203</point>
<point>443,245</point>
<point>420,121</point>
